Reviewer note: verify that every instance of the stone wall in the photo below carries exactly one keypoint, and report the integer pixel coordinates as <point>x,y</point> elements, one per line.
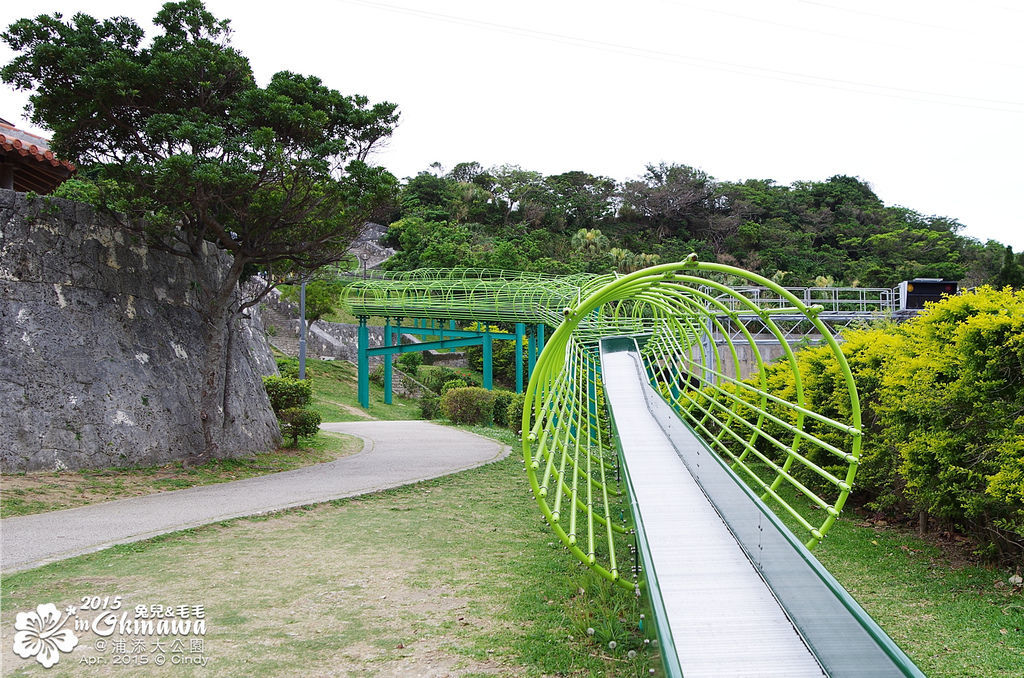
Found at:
<point>101,348</point>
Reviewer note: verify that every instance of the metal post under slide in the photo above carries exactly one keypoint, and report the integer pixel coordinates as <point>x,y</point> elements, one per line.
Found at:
<point>364,364</point>
<point>531,350</point>
<point>730,570</point>
<point>520,332</point>
<point>388,398</point>
<point>488,344</point>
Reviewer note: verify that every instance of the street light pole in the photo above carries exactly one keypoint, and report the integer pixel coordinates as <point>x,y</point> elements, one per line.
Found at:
<point>302,330</point>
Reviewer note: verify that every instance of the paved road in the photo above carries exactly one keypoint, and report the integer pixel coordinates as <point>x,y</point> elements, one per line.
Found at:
<point>394,453</point>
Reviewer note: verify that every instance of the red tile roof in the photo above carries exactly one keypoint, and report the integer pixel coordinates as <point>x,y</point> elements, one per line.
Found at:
<point>14,140</point>
<point>29,158</point>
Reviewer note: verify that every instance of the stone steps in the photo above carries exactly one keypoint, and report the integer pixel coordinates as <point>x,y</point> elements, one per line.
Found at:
<point>284,338</point>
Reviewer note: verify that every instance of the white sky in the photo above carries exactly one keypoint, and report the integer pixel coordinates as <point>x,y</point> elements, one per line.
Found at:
<point>924,99</point>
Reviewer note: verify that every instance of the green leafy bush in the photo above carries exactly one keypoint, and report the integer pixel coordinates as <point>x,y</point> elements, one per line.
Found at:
<point>468,405</point>
<point>453,383</point>
<point>954,408</point>
<point>287,393</point>
<point>514,412</point>
<point>501,402</point>
<point>437,376</point>
<point>410,362</point>
<point>429,406</point>
<point>298,422</point>
<point>288,367</point>
<point>942,406</point>
<point>377,375</point>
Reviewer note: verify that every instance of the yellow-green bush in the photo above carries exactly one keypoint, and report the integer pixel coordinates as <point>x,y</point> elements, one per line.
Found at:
<point>954,408</point>
<point>942,399</point>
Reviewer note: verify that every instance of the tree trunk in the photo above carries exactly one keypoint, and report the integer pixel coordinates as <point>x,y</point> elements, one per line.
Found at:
<point>218,313</point>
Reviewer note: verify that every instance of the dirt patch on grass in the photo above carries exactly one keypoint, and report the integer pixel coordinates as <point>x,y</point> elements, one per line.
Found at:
<point>22,494</point>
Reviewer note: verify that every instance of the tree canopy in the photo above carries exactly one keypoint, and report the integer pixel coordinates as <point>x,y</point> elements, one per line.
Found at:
<point>811,231</point>
<point>200,159</point>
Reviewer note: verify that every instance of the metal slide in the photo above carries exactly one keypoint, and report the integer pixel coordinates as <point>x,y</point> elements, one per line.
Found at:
<point>734,593</point>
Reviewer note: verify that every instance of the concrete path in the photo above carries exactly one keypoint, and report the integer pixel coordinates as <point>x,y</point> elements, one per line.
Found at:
<point>394,453</point>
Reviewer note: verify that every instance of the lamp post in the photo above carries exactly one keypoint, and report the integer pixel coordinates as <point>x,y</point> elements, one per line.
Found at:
<point>302,330</point>
<point>363,257</point>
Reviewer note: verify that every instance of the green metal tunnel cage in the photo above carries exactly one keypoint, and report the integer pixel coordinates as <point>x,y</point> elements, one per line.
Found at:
<point>801,463</point>
<point>691,320</point>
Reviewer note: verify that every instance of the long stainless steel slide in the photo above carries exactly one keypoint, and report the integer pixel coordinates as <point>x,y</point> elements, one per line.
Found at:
<point>734,592</point>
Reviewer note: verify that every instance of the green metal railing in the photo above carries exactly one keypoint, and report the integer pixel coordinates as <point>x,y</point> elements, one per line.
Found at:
<point>801,462</point>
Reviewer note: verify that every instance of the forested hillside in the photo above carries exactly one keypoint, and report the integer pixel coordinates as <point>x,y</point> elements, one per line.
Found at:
<point>811,232</point>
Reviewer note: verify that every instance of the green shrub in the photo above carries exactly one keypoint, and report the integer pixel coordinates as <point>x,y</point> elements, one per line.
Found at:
<point>514,412</point>
<point>377,375</point>
<point>429,406</point>
<point>410,362</point>
<point>288,367</point>
<point>942,398</point>
<point>287,393</point>
<point>953,405</point>
<point>501,402</point>
<point>468,405</point>
<point>436,377</point>
<point>297,422</point>
<point>453,383</point>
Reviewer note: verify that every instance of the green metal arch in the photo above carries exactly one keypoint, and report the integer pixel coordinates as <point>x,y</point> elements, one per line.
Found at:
<point>766,437</point>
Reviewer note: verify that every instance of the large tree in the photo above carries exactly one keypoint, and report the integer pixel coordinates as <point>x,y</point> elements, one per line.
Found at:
<point>208,165</point>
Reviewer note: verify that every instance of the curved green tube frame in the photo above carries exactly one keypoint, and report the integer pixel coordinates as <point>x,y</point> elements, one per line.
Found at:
<point>685,318</point>
<point>801,462</point>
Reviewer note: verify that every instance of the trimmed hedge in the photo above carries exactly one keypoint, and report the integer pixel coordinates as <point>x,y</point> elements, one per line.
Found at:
<point>287,393</point>
<point>468,405</point>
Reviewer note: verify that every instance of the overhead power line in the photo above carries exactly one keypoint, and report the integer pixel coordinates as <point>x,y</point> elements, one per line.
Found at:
<point>713,64</point>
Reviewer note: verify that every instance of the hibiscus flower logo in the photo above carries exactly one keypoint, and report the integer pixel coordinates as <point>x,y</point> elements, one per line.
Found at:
<point>39,634</point>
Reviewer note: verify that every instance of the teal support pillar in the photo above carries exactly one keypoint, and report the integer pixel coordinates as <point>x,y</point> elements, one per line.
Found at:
<point>364,364</point>
<point>531,350</point>
<point>388,369</point>
<point>540,339</point>
<point>488,367</point>
<point>520,332</point>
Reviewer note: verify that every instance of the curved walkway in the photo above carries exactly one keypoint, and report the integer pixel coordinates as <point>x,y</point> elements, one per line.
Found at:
<point>394,453</point>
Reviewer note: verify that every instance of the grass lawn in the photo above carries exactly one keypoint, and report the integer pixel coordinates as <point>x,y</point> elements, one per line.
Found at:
<point>951,617</point>
<point>456,576</point>
<point>459,576</point>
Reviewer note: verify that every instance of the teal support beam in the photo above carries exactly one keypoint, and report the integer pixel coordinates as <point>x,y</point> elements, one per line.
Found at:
<point>364,364</point>
<point>520,332</point>
<point>488,343</point>
<point>388,369</point>
<point>456,333</point>
<point>425,346</point>
<point>540,338</point>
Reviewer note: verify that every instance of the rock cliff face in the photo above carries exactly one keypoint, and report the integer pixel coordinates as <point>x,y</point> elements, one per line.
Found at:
<point>101,348</point>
